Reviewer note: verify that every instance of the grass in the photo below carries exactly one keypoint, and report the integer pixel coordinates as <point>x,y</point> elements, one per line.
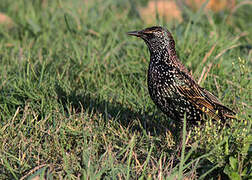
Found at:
<point>74,101</point>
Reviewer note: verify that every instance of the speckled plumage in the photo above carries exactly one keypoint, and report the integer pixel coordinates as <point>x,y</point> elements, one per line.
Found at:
<point>171,86</point>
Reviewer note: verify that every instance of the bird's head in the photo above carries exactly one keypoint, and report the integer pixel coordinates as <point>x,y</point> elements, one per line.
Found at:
<point>156,38</point>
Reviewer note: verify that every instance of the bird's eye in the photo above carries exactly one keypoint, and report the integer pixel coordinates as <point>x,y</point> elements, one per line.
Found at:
<point>148,32</point>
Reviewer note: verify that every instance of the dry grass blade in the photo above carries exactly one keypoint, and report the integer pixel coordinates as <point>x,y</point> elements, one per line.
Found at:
<point>225,50</point>
<point>208,54</point>
<point>208,70</point>
<point>202,75</point>
<point>242,3</point>
<point>33,171</point>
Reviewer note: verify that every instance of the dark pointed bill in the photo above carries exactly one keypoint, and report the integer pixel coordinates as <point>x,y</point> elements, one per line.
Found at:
<point>134,33</point>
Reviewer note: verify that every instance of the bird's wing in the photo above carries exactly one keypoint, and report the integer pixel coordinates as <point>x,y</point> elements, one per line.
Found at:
<point>225,110</point>
<point>200,97</point>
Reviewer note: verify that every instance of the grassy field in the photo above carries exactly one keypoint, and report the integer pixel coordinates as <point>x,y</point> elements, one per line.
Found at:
<point>74,101</point>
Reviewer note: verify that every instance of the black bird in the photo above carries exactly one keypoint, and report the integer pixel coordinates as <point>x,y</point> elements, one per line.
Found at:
<point>171,86</point>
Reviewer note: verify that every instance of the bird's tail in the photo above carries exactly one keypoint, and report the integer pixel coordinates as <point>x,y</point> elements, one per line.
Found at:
<point>226,113</point>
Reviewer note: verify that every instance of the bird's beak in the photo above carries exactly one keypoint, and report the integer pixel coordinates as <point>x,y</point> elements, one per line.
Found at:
<point>134,33</point>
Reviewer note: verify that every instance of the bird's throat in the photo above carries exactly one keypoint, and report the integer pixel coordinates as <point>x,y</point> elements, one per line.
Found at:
<point>160,55</point>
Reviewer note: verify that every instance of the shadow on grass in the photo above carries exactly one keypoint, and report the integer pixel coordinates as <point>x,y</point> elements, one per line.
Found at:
<point>153,122</point>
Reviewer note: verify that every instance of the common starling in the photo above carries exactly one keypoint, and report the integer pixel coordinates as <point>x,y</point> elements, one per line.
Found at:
<point>171,86</point>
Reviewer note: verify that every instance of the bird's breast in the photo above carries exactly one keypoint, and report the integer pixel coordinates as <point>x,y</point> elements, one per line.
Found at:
<point>160,80</point>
